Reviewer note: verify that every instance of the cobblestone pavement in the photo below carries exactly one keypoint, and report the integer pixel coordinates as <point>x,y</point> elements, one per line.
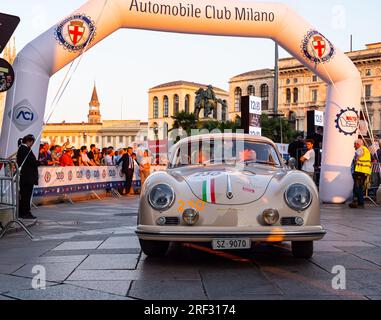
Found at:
<point>90,251</point>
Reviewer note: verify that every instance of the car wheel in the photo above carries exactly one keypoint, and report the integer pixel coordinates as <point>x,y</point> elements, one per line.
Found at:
<point>303,249</point>
<point>154,249</point>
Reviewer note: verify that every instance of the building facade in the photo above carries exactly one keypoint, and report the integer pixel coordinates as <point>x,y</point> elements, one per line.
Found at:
<point>167,99</point>
<point>9,54</point>
<point>116,133</point>
<point>259,83</point>
<point>300,90</point>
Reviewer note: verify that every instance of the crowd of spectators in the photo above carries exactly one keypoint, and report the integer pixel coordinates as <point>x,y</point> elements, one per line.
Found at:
<point>67,156</point>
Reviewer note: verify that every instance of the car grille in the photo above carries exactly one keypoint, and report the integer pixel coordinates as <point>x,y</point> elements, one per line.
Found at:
<point>289,221</point>
<point>172,221</point>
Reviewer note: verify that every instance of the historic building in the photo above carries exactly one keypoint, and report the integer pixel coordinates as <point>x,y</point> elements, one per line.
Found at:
<point>258,83</point>
<point>167,99</point>
<point>300,90</point>
<point>9,54</point>
<point>116,133</point>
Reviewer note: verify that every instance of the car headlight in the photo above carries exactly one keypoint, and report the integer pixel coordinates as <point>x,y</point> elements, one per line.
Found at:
<point>298,197</point>
<point>161,197</point>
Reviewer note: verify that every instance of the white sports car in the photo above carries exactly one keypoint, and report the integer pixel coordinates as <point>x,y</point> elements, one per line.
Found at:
<point>231,191</point>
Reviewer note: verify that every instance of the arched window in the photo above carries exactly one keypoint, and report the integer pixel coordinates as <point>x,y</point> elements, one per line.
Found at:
<point>165,130</point>
<point>288,95</point>
<point>166,107</point>
<point>265,96</point>
<point>292,120</point>
<point>251,90</point>
<point>155,108</point>
<point>223,114</point>
<point>187,103</point>
<point>237,99</point>
<point>296,95</point>
<point>176,107</point>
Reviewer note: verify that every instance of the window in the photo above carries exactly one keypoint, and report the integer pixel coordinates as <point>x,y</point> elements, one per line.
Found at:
<point>265,96</point>
<point>223,115</point>
<point>288,95</point>
<point>368,72</point>
<point>166,107</point>
<point>73,139</point>
<point>176,107</point>
<point>237,99</point>
<point>296,95</point>
<point>97,139</point>
<point>165,130</point>
<point>186,103</point>
<point>155,108</point>
<point>133,139</point>
<point>314,78</point>
<point>251,90</point>
<point>295,80</point>
<point>368,91</point>
<point>314,95</point>
<point>292,120</point>
<point>120,139</point>
<point>288,81</point>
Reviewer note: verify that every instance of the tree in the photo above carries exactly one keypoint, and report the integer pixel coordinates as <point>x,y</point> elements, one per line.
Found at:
<point>185,121</point>
<point>273,128</point>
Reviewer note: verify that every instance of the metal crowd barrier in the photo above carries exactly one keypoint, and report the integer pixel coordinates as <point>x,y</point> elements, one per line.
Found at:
<point>9,195</point>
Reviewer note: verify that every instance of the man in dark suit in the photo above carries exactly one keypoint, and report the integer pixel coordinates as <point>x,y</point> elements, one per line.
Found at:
<point>28,165</point>
<point>127,168</point>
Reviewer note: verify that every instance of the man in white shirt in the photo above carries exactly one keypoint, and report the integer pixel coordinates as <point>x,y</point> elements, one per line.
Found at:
<point>110,158</point>
<point>308,160</point>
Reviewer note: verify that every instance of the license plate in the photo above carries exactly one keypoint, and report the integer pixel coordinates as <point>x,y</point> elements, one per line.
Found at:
<point>231,244</point>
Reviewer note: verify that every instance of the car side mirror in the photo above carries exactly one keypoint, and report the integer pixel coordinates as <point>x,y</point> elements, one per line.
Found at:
<point>292,163</point>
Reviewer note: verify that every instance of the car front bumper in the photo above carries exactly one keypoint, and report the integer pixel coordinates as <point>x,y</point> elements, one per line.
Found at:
<point>197,234</point>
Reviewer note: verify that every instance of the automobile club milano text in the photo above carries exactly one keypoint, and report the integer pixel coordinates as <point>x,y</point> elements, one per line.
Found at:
<point>209,11</point>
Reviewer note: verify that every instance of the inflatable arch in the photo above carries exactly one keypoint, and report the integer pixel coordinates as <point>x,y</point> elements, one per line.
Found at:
<point>97,19</point>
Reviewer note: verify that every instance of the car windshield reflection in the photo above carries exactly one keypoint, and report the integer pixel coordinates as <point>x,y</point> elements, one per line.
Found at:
<point>210,152</point>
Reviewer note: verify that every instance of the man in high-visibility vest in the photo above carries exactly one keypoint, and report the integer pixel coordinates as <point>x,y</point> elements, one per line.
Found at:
<point>361,169</point>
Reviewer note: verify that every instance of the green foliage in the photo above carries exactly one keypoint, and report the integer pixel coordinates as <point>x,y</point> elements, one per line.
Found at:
<point>273,127</point>
<point>184,120</point>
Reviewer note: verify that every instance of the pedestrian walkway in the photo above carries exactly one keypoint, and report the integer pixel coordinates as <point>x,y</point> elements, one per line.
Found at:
<point>89,251</point>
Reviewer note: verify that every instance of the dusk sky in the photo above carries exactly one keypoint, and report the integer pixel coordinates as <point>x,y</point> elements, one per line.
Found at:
<point>129,62</point>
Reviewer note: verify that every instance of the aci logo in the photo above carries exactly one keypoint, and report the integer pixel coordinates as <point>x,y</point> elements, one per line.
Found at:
<point>23,115</point>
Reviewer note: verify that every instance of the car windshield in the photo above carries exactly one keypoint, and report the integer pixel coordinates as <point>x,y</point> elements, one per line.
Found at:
<point>206,152</point>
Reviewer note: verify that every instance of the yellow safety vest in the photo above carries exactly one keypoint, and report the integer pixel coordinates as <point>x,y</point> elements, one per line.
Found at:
<point>364,164</point>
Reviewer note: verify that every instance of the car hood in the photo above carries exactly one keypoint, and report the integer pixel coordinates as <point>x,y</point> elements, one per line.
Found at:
<point>227,185</point>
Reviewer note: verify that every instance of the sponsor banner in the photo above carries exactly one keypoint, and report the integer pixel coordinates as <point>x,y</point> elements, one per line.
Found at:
<point>255,112</point>
<point>319,118</point>
<point>61,180</point>
<point>158,145</point>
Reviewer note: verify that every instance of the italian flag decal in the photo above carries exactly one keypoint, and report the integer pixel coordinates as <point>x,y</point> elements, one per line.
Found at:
<point>209,190</point>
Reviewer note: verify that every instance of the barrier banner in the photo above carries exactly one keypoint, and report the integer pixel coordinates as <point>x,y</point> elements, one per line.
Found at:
<point>63,180</point>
